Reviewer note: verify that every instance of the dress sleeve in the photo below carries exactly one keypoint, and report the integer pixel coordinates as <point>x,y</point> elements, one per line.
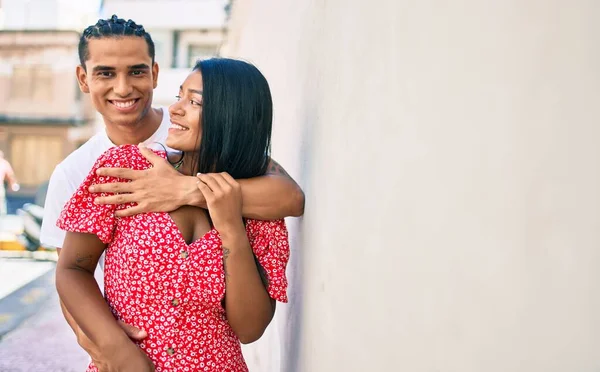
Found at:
<point>81,214</point>
<point>269,242</point>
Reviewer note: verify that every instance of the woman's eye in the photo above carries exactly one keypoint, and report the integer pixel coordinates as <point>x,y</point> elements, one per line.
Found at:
<point>195,103</point>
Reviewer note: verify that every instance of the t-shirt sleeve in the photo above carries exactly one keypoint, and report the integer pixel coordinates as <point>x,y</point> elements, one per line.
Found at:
<point>269,242</point>
<point>59,191</point>
<point>81,214</point>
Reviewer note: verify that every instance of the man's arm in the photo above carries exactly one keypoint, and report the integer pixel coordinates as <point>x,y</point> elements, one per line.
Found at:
<point>270,197</point>
<point>163,189</point>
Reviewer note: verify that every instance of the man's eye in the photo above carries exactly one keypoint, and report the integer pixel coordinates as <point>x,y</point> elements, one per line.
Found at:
<point>105,74</point>
<point>178,97</point>
<point>137,73</point>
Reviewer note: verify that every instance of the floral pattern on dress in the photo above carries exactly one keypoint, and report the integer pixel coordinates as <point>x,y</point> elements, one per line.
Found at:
<point>154,280</point>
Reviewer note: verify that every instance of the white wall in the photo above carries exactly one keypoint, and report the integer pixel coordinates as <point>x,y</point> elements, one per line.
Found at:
<point>49,14</point>
<point>449,153</point>
<point>30,14</point>
<point>169,14</point>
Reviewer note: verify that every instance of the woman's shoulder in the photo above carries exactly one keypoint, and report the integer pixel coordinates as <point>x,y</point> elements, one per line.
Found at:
<point>271,228</point>
<point>124,156</point>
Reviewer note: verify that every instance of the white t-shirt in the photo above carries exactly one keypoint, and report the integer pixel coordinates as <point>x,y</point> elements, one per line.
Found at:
<point>70,173</point>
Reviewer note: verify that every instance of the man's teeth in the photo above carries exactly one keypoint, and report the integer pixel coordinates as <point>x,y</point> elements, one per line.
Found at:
<point>177,126</point>
<point>126,104</point>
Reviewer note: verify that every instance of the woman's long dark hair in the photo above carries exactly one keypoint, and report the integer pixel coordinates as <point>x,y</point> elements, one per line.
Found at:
<point>237,116</point>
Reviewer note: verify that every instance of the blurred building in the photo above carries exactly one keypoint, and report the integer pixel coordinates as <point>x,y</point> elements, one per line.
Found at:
<point>47,14</point>
<point>183,31</point>
<point>43,115</point>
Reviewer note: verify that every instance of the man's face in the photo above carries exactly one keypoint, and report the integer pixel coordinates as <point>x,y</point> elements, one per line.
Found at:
<point>120,78</point>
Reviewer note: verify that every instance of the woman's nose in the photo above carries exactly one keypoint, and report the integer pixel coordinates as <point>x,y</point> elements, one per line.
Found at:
<point>176,109</point>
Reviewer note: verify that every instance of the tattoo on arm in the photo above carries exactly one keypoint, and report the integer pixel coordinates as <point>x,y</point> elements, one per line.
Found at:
<point>83,260</point>
<point>276,169</point>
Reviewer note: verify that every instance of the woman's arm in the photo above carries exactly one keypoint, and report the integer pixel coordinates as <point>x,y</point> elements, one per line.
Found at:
<point>81,296</point>
<point>79,290</point>
<point>248,306</point>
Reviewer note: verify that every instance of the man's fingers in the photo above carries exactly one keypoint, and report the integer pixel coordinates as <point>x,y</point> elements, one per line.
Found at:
<point>129,174</point>
<point>133,332</point>
<point>150,155</point>
<point>130,211</point>
<point>115,199</point>
<point>113,187</point>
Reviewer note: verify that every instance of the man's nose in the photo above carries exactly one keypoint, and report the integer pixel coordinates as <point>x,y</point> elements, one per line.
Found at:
<point>123,87</point>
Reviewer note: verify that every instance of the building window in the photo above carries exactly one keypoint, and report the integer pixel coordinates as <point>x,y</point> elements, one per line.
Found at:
<point>200,51</point>
<point>43,83</point>
<point>21,82</point>
<point>32,83</point>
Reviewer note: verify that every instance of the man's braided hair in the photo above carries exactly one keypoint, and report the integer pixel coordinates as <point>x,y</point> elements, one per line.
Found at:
<point>112,27</point>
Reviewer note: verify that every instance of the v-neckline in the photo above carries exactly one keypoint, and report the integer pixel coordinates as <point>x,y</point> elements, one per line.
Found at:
<point>180,234</point>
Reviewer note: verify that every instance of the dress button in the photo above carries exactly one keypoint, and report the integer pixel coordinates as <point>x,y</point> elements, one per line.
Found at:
<point>170,351</point>
<point>175,302</point>
<point>184,254</point>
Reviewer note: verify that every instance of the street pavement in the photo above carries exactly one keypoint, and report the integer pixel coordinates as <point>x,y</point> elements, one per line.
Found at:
<point>33,333</point>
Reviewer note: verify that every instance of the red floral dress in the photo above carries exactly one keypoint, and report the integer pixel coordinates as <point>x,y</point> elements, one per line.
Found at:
<point>157,282</point>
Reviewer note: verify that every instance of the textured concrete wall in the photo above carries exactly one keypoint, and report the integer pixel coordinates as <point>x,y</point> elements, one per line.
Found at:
<point>449,153</point>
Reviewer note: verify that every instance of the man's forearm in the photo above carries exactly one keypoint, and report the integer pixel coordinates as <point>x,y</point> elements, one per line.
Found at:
<point>269,197</point>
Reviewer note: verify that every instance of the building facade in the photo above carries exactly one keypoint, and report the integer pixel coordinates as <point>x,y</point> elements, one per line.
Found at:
<point>43,115</point>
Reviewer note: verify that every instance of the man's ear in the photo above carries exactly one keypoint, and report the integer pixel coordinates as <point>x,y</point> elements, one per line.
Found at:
<point>82,79</point>
<point>155,74</point>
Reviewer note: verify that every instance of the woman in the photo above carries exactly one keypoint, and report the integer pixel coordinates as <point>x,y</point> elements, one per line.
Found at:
<point>198,282</point>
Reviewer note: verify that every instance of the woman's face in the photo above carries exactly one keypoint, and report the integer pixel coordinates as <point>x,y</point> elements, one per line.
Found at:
<point>185,131</point>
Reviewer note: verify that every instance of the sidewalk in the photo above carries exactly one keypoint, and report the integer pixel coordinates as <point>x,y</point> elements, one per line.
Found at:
<point>44,342</point>
<point>33,333</point>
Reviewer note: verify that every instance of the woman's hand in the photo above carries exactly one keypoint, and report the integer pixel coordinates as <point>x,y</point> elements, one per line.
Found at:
<point>223,197</point>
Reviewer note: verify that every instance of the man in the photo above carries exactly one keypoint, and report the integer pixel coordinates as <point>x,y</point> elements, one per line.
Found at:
<point>6,175</point>
<point>118,70</point>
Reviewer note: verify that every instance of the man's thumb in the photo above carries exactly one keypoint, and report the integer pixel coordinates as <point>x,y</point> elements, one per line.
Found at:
<point>133,332</point>
<point>149,154</point>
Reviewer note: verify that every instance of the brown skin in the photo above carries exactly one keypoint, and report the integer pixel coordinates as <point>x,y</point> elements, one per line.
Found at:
<point>161,188</point>
<point>120,70</point>
<point>249,309</point>
<point>10,175</point>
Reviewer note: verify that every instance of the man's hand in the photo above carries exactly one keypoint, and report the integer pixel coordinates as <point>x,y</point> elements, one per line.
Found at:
<point>160,188</point>
<point>100,360</point>
<point>127,357</point>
